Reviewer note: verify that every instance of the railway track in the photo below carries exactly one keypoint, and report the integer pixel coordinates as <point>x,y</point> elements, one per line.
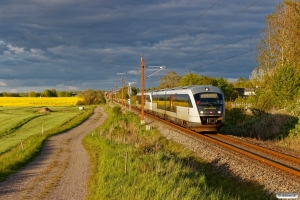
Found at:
<point>283,162</point>
<point>272,158</point>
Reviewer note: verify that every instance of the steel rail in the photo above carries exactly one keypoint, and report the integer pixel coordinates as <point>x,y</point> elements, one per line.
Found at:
<point>278,154</point>
<point>235,149</point>
<point>255,157</point>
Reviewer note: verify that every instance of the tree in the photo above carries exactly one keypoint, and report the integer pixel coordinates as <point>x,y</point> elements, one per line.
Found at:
<point>278,57</point>
<point>279,43</point>
<point>90,97</point>
<point>64,94</point>
<point>285,84</point>
<point>205,80</point>
<point>226,87</point>
<point>53,93</point>
<point>170,80</point>
<point>190,79</point>
<point>243,83</point>
<point>32,94</point>
<point>47,93</point>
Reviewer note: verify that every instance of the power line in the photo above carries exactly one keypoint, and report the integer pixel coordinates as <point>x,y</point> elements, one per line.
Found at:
<point>215,27</point>
<point>223,22</point>
<point>217,48</point>
<point>224,59</point>
<point>196,18</point>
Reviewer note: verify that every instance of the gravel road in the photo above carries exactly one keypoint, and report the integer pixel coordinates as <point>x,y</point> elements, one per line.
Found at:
<point>61,171</point>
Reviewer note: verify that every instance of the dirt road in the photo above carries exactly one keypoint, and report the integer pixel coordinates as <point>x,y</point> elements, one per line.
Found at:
<point>61,171</point>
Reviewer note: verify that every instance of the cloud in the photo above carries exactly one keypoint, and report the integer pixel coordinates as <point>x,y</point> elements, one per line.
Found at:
<point>36,51</point>
<point>71,42</point>
<point>3,83</point>
<point>16,50</point>
<point>134,72</point>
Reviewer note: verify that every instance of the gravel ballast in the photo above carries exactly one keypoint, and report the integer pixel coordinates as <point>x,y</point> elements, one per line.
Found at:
<point>231,163</point>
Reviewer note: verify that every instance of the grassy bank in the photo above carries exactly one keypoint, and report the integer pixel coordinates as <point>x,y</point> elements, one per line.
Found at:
<point>132,163</point>
<point>281,127</point>
<point>18,155</point>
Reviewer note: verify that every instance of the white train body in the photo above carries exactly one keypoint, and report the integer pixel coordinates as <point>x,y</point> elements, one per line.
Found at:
<point>201,108</point>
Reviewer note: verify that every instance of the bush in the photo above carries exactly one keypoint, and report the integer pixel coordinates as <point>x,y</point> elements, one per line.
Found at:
<point>117,110</point>
<point>235,116</point>
<point>91,97</point>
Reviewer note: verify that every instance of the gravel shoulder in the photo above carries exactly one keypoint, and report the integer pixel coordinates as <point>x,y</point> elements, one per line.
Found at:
<point>60,171</point>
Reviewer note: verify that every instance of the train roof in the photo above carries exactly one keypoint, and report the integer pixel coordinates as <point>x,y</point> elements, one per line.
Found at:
<point>193,88</point>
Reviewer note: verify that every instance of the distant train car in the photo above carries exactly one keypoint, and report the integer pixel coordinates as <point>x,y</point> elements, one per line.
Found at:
<point>200,108</point>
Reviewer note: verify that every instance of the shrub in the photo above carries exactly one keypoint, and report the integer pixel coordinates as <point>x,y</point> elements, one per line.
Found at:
<point>117,110</point>
<point>91,97</point>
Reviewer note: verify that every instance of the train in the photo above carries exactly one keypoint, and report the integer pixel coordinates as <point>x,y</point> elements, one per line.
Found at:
<point>199,107</point>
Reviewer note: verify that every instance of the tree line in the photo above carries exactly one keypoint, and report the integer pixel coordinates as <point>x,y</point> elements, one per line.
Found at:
<point>277,76</point>
<point>46,93</point>
<point>88,96</point>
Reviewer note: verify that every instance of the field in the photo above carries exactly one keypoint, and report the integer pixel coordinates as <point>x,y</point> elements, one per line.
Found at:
<point>39,101</point>
<point>32,127</point>
<point>19,123</point>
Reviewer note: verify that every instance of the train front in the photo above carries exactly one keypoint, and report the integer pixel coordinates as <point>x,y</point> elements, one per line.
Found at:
<point>211,107</point>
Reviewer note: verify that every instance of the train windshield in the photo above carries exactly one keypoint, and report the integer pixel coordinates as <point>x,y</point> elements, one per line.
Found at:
<point>208,98</point>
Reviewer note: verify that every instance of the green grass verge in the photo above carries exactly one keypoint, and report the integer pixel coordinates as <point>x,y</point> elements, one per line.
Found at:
<point>16,157</point>
<point>156,168</point>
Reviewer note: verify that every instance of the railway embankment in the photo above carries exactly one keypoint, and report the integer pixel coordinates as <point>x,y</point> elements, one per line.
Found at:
<point>161,163</point>
<point>234,164</point>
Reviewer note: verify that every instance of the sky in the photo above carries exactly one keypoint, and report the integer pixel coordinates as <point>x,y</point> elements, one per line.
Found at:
<point>74,45</point>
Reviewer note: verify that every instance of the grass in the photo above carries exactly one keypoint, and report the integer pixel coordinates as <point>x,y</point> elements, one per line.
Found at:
<point>15,157</point>
<point>280,127</point>
<point>23,122</point>
<point>155,168</point>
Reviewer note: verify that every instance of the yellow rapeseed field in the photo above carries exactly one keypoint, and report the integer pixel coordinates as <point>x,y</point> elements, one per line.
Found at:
<point>39,101</point>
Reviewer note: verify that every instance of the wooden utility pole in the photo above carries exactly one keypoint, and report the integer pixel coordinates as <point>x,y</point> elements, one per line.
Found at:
<point>143,88</point>
<point>116,91</point>
<point>122,92</point>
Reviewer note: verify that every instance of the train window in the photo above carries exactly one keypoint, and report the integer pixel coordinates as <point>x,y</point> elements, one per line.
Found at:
<point>146,99</point>
<point>208,98</point>
<point>183,100</point>
<point>159,99</point>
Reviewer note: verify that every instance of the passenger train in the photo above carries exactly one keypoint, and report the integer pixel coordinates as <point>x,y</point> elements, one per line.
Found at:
<point>200,108</point>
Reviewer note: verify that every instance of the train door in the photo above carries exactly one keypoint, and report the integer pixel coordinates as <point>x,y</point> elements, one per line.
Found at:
<point>171,102</point>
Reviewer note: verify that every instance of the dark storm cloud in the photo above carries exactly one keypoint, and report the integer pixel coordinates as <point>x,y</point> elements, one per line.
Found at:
<point>79,44</point>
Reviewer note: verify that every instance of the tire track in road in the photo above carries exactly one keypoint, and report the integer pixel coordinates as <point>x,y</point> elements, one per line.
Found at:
<point>60,171</point>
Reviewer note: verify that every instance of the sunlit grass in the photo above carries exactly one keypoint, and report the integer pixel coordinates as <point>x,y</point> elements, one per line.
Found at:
<point>23,122</point>
<point>16,154</point>
<point>291,142</point>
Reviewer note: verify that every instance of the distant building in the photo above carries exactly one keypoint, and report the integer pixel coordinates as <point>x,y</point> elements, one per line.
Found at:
<point>245,91</point>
